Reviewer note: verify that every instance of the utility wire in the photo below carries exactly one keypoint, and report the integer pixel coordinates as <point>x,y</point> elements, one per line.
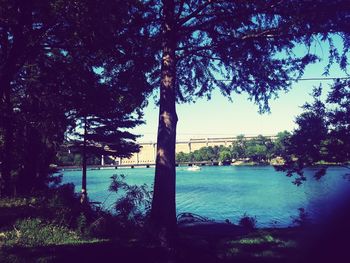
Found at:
<point>302,79</point>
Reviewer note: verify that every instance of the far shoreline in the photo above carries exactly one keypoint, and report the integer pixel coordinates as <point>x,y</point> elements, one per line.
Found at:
<point>240,163</point>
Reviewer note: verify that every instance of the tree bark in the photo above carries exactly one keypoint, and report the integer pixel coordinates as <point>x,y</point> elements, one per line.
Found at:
<point>6,166</point>
<point>11,66</point>
<point>83,198</point>
<point>28,176</point>
<point>163,212</point>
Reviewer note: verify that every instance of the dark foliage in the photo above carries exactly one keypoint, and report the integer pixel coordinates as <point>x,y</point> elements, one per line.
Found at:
<point>248,222</point>
<point>51,58</point>
<point>322,136</point>
<point>133,204</point>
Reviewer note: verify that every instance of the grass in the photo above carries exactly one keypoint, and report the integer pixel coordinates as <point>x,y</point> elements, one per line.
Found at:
<point>33,232</point>
<point>18,202</point>
<point>34,237</point>
<point>32,223</point>
<point>55,227</point>
<point>263,245</point>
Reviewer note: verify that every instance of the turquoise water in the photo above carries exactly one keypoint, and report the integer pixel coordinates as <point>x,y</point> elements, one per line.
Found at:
<point>227,192</point>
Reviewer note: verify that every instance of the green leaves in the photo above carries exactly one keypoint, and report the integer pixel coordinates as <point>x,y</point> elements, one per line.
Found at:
<point>322,135</point>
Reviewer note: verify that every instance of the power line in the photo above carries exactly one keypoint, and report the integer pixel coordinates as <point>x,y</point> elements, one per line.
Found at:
<point>307,79</point>
<point>194,133</point>
<point>303,79</point>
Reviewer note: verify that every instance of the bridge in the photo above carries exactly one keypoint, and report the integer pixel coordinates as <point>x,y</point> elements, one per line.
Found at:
<point>147,155</point>
<point>133,165</point>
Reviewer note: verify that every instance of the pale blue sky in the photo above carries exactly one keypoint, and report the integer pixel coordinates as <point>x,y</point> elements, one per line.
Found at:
<point>218,117</point>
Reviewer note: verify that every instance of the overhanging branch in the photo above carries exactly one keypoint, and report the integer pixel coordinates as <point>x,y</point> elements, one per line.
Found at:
<point>195,13</point>
<point>266,33</point>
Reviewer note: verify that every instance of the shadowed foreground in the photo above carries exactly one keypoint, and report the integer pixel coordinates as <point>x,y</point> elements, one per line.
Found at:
<point>197,243</point>
<point>28,233</point>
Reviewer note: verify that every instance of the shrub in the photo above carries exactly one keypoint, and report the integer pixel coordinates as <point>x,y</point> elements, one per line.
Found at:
<point>134,202</point>
<point>248,222</point>
<point>82,223</point>
<point>302,219</point>
<point>62,205</point>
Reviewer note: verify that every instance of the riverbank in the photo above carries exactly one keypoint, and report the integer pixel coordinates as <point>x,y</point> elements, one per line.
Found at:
<point>262,246</point>
<point>28,235</point>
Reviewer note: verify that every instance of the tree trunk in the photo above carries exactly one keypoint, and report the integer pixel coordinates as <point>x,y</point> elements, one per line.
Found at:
<point>163,213</point>
<point>13,62</point>
<point>6,119</point>
<point>83,198</point>
<point>28,175</point>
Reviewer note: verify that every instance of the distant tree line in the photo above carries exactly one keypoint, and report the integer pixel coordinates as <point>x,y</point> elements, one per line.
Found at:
<point>259,150</point>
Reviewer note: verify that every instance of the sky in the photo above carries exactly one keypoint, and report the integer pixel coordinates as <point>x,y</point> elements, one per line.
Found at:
<point>219,117</point>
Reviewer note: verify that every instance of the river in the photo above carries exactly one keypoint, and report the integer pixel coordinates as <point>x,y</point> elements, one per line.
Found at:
<point>228,192</point>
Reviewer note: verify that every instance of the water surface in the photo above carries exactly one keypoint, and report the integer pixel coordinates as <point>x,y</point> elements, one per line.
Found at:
<point>227,192</point>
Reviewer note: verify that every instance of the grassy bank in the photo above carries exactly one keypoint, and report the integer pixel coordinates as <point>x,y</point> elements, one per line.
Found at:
<point>29,234</point>
<point>46,230</point>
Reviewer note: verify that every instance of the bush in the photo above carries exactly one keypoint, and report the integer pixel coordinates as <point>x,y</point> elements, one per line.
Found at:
<point>248,222</point>
<point>302,219</point>
<point>56,217</point>
<point>134,202</point>
<point>62,206</point>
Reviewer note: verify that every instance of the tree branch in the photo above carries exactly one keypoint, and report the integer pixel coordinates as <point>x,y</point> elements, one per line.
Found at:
<point>194,52</point>
<point>4,43</point>
<point>182,3</point>
<point>195,13</point>
<point>199,26</point>
<point>266,33</point>
<point>197,49</point>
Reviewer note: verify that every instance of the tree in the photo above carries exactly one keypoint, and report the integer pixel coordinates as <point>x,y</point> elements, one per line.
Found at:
<point>259,149</point>
<point>225,157</point>
<point>39,121</point>
<point>322,135</point>
<point>182,157</point>
<point>40,93</point>
<point>248,43</point>
<point>32,37</point>
<point>305,145</point>
<point>257,153</point>
<point>73,39</point>
<point>263,149</point>
<point>280,143</point>
<point>114,101</point>
<point>239,147</point>
<point>206,154</point>
<point>338,143</point>
<point>18,43</point>
<point>101,129</point>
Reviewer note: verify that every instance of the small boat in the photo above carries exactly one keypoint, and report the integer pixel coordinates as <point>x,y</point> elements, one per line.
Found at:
<point>193,168</point>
